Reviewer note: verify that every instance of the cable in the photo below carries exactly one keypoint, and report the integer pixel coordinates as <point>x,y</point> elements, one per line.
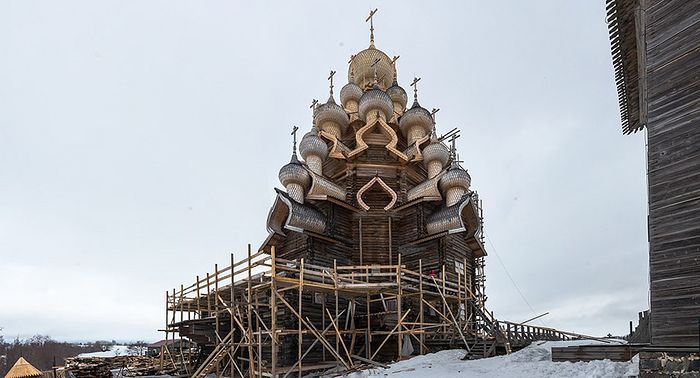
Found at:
<point>493,248</point>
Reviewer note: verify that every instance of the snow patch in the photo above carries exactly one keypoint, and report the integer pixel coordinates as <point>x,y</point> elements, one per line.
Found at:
<point>532,361</point>
<point>114,351</point>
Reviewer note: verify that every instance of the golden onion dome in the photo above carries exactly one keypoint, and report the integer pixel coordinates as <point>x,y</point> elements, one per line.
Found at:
<point>350,92</point>
<point>455,177</point>
<point>398,94</point>
<point>375,100</point>
<point>312,145</point>
<point>417,115</point>
<point>294,173</point>
<point>331,112</point>
<point>361,71</point>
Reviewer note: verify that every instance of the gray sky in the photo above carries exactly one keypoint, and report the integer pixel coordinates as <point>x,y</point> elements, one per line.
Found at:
<point>140,144</point>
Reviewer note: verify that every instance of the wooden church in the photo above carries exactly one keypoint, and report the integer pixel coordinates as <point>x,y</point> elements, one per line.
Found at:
<point>374,250</point>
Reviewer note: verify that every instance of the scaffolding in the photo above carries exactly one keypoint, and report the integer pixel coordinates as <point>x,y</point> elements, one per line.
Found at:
<point>265,316</point>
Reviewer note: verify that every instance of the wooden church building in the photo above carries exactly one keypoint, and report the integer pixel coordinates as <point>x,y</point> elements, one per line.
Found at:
<point>374,252</point>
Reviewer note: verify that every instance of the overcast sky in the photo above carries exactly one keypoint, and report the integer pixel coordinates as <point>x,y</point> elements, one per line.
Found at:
<point>140,143</point>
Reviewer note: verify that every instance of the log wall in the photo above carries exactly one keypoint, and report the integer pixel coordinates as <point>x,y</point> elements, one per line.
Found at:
<point>673,82</point>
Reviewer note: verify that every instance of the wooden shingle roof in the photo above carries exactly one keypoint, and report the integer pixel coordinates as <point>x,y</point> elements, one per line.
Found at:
<point>23,369</point>
<point>622,27</point>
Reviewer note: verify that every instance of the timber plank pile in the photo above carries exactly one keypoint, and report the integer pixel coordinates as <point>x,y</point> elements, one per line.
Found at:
<point>130,366</point>
<point>617,352</point>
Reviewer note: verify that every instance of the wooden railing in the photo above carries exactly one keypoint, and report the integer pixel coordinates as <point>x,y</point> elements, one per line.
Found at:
<point>519,334</point>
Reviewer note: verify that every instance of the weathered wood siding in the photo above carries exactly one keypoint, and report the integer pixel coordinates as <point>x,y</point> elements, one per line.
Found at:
<point>673,81</point>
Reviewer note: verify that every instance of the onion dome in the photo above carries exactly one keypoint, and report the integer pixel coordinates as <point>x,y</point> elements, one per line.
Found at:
<point>312,145</point>
<point>436,151</point>
<point>456,177</point>
<point>363,71</point>
<point>330,112</point>
<point>294,173</point>
<point>398,95</point>
<point>375,100</point>
<point>350,92</point>
<point>416,117</point>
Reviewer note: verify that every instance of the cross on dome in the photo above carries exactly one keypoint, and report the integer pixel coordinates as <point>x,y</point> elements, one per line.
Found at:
<point>374,66</point>
<point>414,84</point>
<point>370,18</point>
<point>294,136</point>
<point>433,112</point>
<point>330,78</point>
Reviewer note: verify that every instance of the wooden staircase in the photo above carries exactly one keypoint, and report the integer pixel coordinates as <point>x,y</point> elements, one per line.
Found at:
<point>482,348</point>
<point>214,358</point>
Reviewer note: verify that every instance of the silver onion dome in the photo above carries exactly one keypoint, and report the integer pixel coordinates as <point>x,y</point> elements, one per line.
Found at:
<point>375,100</point>
<point>436,151</point>
<point>294,173</point>
<point>455,177</point>
<point>350,92</point>
<point>312,145</point>
<point>416,115</point>
<point>331,112</point>
<point>398,94</point>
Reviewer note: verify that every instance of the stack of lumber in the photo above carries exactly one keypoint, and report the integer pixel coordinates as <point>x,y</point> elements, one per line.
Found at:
<point>89,367</point>
<point>130,366</point>
<point>612,352</point>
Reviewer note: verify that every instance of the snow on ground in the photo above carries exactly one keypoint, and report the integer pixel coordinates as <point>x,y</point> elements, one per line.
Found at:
<point>532,361</point>
<point>115,350</point>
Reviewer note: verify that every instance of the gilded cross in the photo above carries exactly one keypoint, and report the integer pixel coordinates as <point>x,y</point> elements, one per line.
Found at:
<point>370,18</point>
<point>414,84</point>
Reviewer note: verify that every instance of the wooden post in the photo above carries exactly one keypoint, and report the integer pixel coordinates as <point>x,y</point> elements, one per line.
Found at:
<point>335,274</point>
<point>233,306</point>
<point>420,296</point>
<point>444,303</point>
<point>361,262</point>
<point>259,332</point>
<point>300,334</point>
<point>459,298</point>
<point>199,310</point>
<point>323,317</point>
<point>273,311</point>
<point>182,316</point>
<point>467,291</point>
<point>249,305</point>
<point>208,295</point>
<point>167,327</point>
<point>216,302</point>
<point>398,300</point>
<point>369,322</point>
<point>391,256</point>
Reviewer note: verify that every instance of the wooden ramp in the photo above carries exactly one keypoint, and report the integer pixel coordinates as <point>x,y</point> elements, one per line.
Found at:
<point>616,352</point>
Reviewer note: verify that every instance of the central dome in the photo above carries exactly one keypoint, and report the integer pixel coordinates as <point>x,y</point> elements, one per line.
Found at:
<point>361,71</point>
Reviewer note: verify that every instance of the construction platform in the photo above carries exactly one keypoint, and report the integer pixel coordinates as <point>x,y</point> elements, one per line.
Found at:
<point>270,317</point>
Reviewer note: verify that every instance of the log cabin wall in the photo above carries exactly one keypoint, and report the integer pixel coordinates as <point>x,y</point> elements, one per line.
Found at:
<point>656,55</point>
<point>673,81</point>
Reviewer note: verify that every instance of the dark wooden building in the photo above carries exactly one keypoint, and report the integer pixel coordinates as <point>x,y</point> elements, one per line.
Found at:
<point>656,56</point>
<point>374,250</point>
